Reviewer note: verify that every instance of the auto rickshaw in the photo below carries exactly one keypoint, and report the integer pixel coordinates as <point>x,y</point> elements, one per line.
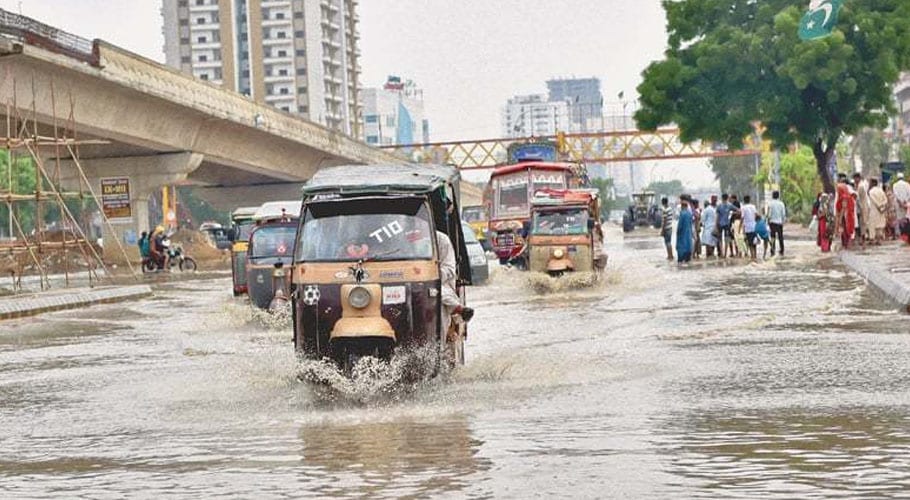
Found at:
<point>566,234</point>
<point>477,217</point>
<point>271,251</point>
<point>242,223</point>
<point>368,278</point>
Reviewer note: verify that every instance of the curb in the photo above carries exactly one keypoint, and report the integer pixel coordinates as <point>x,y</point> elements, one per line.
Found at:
<point>40,304</point>
<point>883,281</point>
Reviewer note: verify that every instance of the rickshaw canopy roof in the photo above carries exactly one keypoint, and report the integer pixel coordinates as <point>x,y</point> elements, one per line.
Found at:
<point>535,165</point>
<point>387,178</point>
<point>244,213</point>
<point>275,209</point>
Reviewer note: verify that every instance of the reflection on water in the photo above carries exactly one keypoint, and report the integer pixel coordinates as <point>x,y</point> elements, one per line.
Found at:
<point>388,459</point>
<point>784,379</point>
<point>827,453</point>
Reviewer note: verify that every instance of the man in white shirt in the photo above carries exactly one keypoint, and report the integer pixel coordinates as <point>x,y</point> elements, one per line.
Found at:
<point>749,212</point>
<point>777,215</point>
<point>901,192</point>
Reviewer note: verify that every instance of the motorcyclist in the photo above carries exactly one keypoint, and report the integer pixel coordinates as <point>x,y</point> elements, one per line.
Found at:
<point>159,248</point>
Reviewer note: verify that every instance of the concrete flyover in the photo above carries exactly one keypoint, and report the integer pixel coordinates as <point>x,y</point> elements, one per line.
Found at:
<point>156,125</point>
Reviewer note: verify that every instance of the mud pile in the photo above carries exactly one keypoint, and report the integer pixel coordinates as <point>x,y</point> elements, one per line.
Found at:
<point>198,246</point>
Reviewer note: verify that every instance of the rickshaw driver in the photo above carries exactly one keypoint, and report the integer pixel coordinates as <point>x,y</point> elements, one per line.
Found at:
<point>447,272</point>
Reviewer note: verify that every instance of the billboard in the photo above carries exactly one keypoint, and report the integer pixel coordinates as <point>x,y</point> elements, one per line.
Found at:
<point>115,199</point>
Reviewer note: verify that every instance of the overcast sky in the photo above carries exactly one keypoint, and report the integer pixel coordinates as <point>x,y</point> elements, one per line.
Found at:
<point>469,56</point>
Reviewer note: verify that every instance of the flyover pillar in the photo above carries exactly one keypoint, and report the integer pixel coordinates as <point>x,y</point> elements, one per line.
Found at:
<point>123,187</point>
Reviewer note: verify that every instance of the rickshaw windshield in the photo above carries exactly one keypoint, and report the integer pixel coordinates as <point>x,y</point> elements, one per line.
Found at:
<point>243,231</point>
<point>559,222</point>
<point>272,242</point>
<point>373,229</point>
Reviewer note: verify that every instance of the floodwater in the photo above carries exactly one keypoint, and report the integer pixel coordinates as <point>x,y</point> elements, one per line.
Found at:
<point>776,380</point>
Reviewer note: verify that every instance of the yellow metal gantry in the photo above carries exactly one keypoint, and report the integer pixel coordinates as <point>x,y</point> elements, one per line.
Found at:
<point>594,147</point>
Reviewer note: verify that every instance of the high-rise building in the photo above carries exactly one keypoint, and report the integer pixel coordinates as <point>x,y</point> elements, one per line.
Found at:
<point>584,97</point>
<point>533,115</point>
<point>394,114</point>
<point>297,55</point>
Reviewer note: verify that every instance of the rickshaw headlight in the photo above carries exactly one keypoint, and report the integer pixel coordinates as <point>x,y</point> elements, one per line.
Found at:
<point>359,298</point>
<point>559,253</point>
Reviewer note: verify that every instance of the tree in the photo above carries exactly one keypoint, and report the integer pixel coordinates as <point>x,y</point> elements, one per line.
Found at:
<point>670,189</point>
<point>873,149</point>
<point>735,174</point>
<point>607,195</point>
<point>799,183</point>
<point>732,63</point>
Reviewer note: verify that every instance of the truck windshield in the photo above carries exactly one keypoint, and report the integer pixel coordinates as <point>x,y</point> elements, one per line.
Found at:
<point>344,231</point>
<point>560,222</point>
<point>272,242</point>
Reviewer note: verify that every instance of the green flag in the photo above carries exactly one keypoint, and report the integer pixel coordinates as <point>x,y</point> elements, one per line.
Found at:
<point>821,19</point>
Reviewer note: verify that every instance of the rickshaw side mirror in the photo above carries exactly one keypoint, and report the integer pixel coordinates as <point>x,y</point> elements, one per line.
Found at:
<point>231,235</point>
<point>591,224</point>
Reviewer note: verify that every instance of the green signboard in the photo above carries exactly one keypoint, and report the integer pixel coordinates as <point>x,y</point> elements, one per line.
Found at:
<point>821,19</point>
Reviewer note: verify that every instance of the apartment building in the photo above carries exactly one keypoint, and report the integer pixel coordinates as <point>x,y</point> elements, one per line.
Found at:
<point>533,115</point>
<point>394,114</point>
<point>300,56</point>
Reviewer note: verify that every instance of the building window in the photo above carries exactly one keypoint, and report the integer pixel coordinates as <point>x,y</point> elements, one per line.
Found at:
<point>301,71</point>
<point>281,34</point>
<point>279,15</point>
<point>200,20</point>
<point>300,52</point>
<point>371,119</point>
<point>184,22</point>
<point>181,3</point>
<point>301,90</point>
<point>282,53</point>
<point>200,2</point>
<point>245,73</point>
<point>184,41</point>
<point>303,109</point>
<point>185,59</point>
<point>201,39</point>
<point>204,76</point>
<point>298,14</point>
<point>372,139</point>
<point>285,108</point>
<point>203,58</point>
<point>284,91</point>
<point>282,72</point>
<point>299,34</point>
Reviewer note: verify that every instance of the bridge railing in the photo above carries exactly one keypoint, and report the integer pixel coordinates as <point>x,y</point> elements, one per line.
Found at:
<point>33,32</point>
<point>596,147</point>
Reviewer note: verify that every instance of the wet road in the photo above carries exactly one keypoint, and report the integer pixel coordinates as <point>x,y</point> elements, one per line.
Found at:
<point>780,380</point>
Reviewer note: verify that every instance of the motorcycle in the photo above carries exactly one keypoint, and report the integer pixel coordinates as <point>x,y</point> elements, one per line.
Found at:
<point>176,257</point>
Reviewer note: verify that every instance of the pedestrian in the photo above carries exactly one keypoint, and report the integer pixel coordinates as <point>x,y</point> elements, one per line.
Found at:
<point>878,206</point>
<point>824,214</point>
<point>777,215</point>
<point>890,213</point>
<point>709,227</point>
<point>696,229</point>
<point>863,231</point>
<point>666,226</point>
<point>735,223</point>
<point>684,231</point>
<point>763,233</point>
<point>725,232</point>
<point>901,193</point>
<point>748,213</point>
<point>845,214</point>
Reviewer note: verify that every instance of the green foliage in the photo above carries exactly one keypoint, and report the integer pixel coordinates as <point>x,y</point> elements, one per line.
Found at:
<point>731,63</point>
<point>199,210</point>
<point>607,195</point>
<point>735,174</point>
<point>873,149</point>
<point>799,183</point>
<point>670,189</point>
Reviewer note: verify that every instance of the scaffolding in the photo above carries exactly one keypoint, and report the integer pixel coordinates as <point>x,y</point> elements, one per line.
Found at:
<point>35,150</point>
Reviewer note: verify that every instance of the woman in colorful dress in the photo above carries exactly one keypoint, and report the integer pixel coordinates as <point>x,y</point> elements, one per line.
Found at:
<point>845,204</point>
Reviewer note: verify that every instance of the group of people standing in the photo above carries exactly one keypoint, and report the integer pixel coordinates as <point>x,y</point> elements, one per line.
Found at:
<point>725,228</point>
<point>864,211</point>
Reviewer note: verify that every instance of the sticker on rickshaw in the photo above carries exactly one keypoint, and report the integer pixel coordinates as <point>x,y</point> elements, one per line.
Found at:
<point>392,295</point>
<point>311,295</point>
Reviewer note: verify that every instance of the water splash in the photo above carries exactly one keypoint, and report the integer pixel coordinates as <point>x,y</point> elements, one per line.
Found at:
<point>373,380</point>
